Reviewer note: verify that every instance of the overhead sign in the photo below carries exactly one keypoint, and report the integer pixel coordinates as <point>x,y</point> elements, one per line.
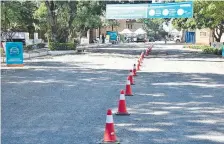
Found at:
<point>155,10</point>
<point>14,53</point>
<point>126,11</point>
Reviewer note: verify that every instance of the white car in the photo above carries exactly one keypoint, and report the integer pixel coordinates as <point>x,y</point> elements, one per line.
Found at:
<point>177,39</point>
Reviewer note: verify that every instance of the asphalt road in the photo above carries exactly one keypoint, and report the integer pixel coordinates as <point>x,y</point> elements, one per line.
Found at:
<point>178,97</point>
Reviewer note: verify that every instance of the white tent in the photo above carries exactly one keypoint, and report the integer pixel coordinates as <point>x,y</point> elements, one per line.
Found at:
<point>126,31</point>
<point>140,31</point>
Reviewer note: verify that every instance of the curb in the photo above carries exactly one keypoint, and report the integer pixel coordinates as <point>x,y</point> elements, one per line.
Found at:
<point>57,53</point>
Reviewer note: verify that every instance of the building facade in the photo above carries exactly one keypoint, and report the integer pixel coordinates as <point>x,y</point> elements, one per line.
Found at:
<point>132,25</point>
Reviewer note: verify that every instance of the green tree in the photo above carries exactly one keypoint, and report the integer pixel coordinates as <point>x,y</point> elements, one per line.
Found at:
<point>17,16</point>
<point>41,24</point>
<point>88,16</point>
<point>154,27</point>
<point>60,16</point>
<point>111,22</point>
<point>207,14</point>
<point>68,19</point>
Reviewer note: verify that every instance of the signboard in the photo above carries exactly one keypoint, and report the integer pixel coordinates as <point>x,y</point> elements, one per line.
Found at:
<point>126,11</point>
<point>14,53</point>
<point>113,35</point>
<point>155,10</point>
<point>170,10</point>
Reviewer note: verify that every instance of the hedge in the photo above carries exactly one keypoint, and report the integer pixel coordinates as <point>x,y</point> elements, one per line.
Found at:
<point>197,46</point>
<point>30,47</point>
<point>62,46</point>
<point>217,51</point>
<point>206,49</point>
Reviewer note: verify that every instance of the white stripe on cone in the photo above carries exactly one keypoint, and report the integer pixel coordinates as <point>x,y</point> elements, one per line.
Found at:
<point>128,82</point>
<point>122,97</point>
<point>109,119</point>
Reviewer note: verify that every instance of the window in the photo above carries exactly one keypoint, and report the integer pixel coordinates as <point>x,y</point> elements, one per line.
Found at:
<point>129,26</point>
<point>202,34</point>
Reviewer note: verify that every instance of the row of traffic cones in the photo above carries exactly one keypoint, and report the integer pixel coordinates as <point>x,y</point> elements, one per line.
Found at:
<point>109,133</point>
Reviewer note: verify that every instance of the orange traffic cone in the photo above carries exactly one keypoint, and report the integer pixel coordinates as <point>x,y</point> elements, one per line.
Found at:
<point>128,91</point>
<point>134,70</point>
<point>139,62</point>
<point>150,49</point>
<point>142,55</point>
<point>146,52</point>
<point>138,66</point>
<point>122,105</point>
<point>109,133</point>
<point>141,59</point>
<point>131,77</point>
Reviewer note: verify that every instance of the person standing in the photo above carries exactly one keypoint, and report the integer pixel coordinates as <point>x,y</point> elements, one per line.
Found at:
<point>103,38</point>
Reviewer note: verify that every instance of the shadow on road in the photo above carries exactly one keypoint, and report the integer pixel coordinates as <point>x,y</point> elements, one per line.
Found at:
<point>68,105</point>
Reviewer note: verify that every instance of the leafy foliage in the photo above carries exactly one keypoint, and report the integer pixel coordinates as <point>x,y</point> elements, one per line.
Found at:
<point>33,46</point>
<point>206,49</point>
<point>154,27</point>
<point>62,46</point>
<point>88,16</point>
<point>216,51</point>
<point>207,14</point>
<point>17,16</point>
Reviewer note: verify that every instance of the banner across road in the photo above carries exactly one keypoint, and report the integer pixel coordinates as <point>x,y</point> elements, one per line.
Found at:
<point>155,10</point>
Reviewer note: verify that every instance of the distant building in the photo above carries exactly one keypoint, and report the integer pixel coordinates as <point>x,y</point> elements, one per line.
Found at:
<point>204,36</point>
<point>92,34</point>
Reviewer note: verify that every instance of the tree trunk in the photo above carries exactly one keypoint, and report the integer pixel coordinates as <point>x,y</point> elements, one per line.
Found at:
<point>52,19</point>
<point>99,31</point>
<point>217,32</point>
<point>72,7</point>
<point>112,27</point>
<point>183,36</point>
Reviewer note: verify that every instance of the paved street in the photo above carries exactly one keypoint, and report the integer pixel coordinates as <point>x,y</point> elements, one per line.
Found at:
<point>178,97</point>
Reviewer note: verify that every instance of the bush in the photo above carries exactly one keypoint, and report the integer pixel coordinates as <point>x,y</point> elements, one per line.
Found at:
<point>206,49</point>
<point>210,50</point>
<point>62,46</point>
<point>202,47</point>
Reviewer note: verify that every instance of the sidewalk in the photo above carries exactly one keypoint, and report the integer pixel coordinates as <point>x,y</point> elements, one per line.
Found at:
<point>46,52</point>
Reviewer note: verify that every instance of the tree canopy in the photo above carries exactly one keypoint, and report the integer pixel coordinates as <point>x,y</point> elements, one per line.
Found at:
<point>17,16</point>
<point>62,21</point>
<point>207,14</point>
